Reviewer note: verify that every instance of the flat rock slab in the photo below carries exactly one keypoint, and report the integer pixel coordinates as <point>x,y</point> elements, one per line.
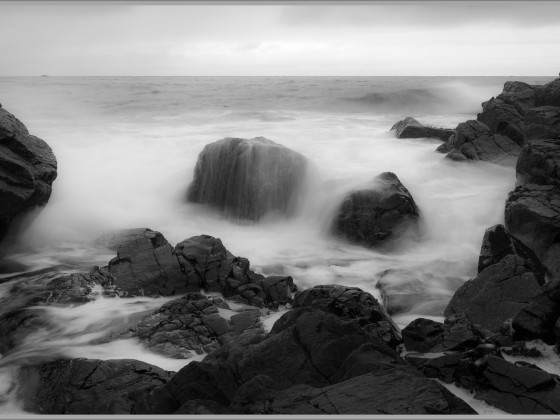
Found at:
<point>410,128</point>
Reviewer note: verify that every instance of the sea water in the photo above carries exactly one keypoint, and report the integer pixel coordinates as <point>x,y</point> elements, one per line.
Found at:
<point>126,150</point>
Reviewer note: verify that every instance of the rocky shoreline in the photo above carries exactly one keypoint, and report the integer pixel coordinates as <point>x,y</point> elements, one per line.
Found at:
<point>335,349</point>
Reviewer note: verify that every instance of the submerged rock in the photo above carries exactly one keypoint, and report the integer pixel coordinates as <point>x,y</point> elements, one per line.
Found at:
<point>87,386</point>
<point>409,128</point>
<point>510,275</point>
<point>378,215</point>
<point>27,172</point>
<point>248,178</point>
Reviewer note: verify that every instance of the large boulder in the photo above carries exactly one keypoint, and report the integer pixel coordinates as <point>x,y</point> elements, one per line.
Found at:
<point>476,141</point>
<point>533,215</point>
<point>147,265</point>
<point>510,275</point>
<point>539,163</point>
<point>409,128</point>
<point>87,386</point>
<point>27,171</point>
<point>379,215</point>
<point>505,114</point>
<point>542,123</point>
<point>248,178</point>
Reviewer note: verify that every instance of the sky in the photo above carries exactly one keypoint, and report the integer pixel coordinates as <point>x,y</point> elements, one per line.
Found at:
<point>426,38</point>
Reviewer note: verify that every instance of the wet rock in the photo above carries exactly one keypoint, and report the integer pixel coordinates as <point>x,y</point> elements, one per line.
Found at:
<point>310,349</point>
<point>146,265</point>
<point>113,240</point>
<point>448,367</point>
<point>458,335</point>
<point>505,114</point>
<point>409,128</point>
<point>476,141</point>
<point>542,123</point>
<point>205,262</point>
<point>539,163</point>
<point>456,155</point>
<point>379,215</point>
<point>519,388</point>
<point>87,386</point>
<point>497,243</point>
<point>248,178</point>
<point>350,303</point>
<point>510,276</point>
<point>533,215</point>
<point>422,334</point>
<point>539,318</point>
<point>27,171</point>
<point>16,325</point>
<point>401,390</point>
<point>183,327</point>
<point>277,289</point>
<point>548,94</point>
<point>417,290</point>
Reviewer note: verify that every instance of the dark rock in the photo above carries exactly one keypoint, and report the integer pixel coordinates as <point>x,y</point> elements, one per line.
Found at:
<point>73,288</point>
<point>510,275</point>
<point>542,123</point>
<point>113,240</point>
<point>448,367</point>
<point>533,215</point>
<point>548,94</point>
<point>205,262</point>
<point>519,389</point>
<point>82,386</point>
<point>539,163</point>
<point>477,142</point>
<point>497,243</point>
<point>247,179</point>
<point>422,334</point>
<point>349,303</point>
<point>378,215</point>
<point>458,335</point>
<point>401,390</point>
<point>311,349</point>
<point>277,289</point>
<point>146,265</point>
<point>182,327</point>
<point>496,294</point>
<point>505,113</point>
<point>409,128</point>
<point>538,318</point>
<point>445,148</point>
<point>16,325</point>
<point>27,171</point>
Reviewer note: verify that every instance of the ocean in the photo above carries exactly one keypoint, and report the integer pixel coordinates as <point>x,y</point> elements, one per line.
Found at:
<point>126,150</point>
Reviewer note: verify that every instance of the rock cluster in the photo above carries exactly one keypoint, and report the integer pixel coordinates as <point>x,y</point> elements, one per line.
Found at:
<point>521,113</point>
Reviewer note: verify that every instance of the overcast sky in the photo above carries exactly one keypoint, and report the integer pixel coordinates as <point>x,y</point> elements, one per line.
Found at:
<point>429,38</point>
